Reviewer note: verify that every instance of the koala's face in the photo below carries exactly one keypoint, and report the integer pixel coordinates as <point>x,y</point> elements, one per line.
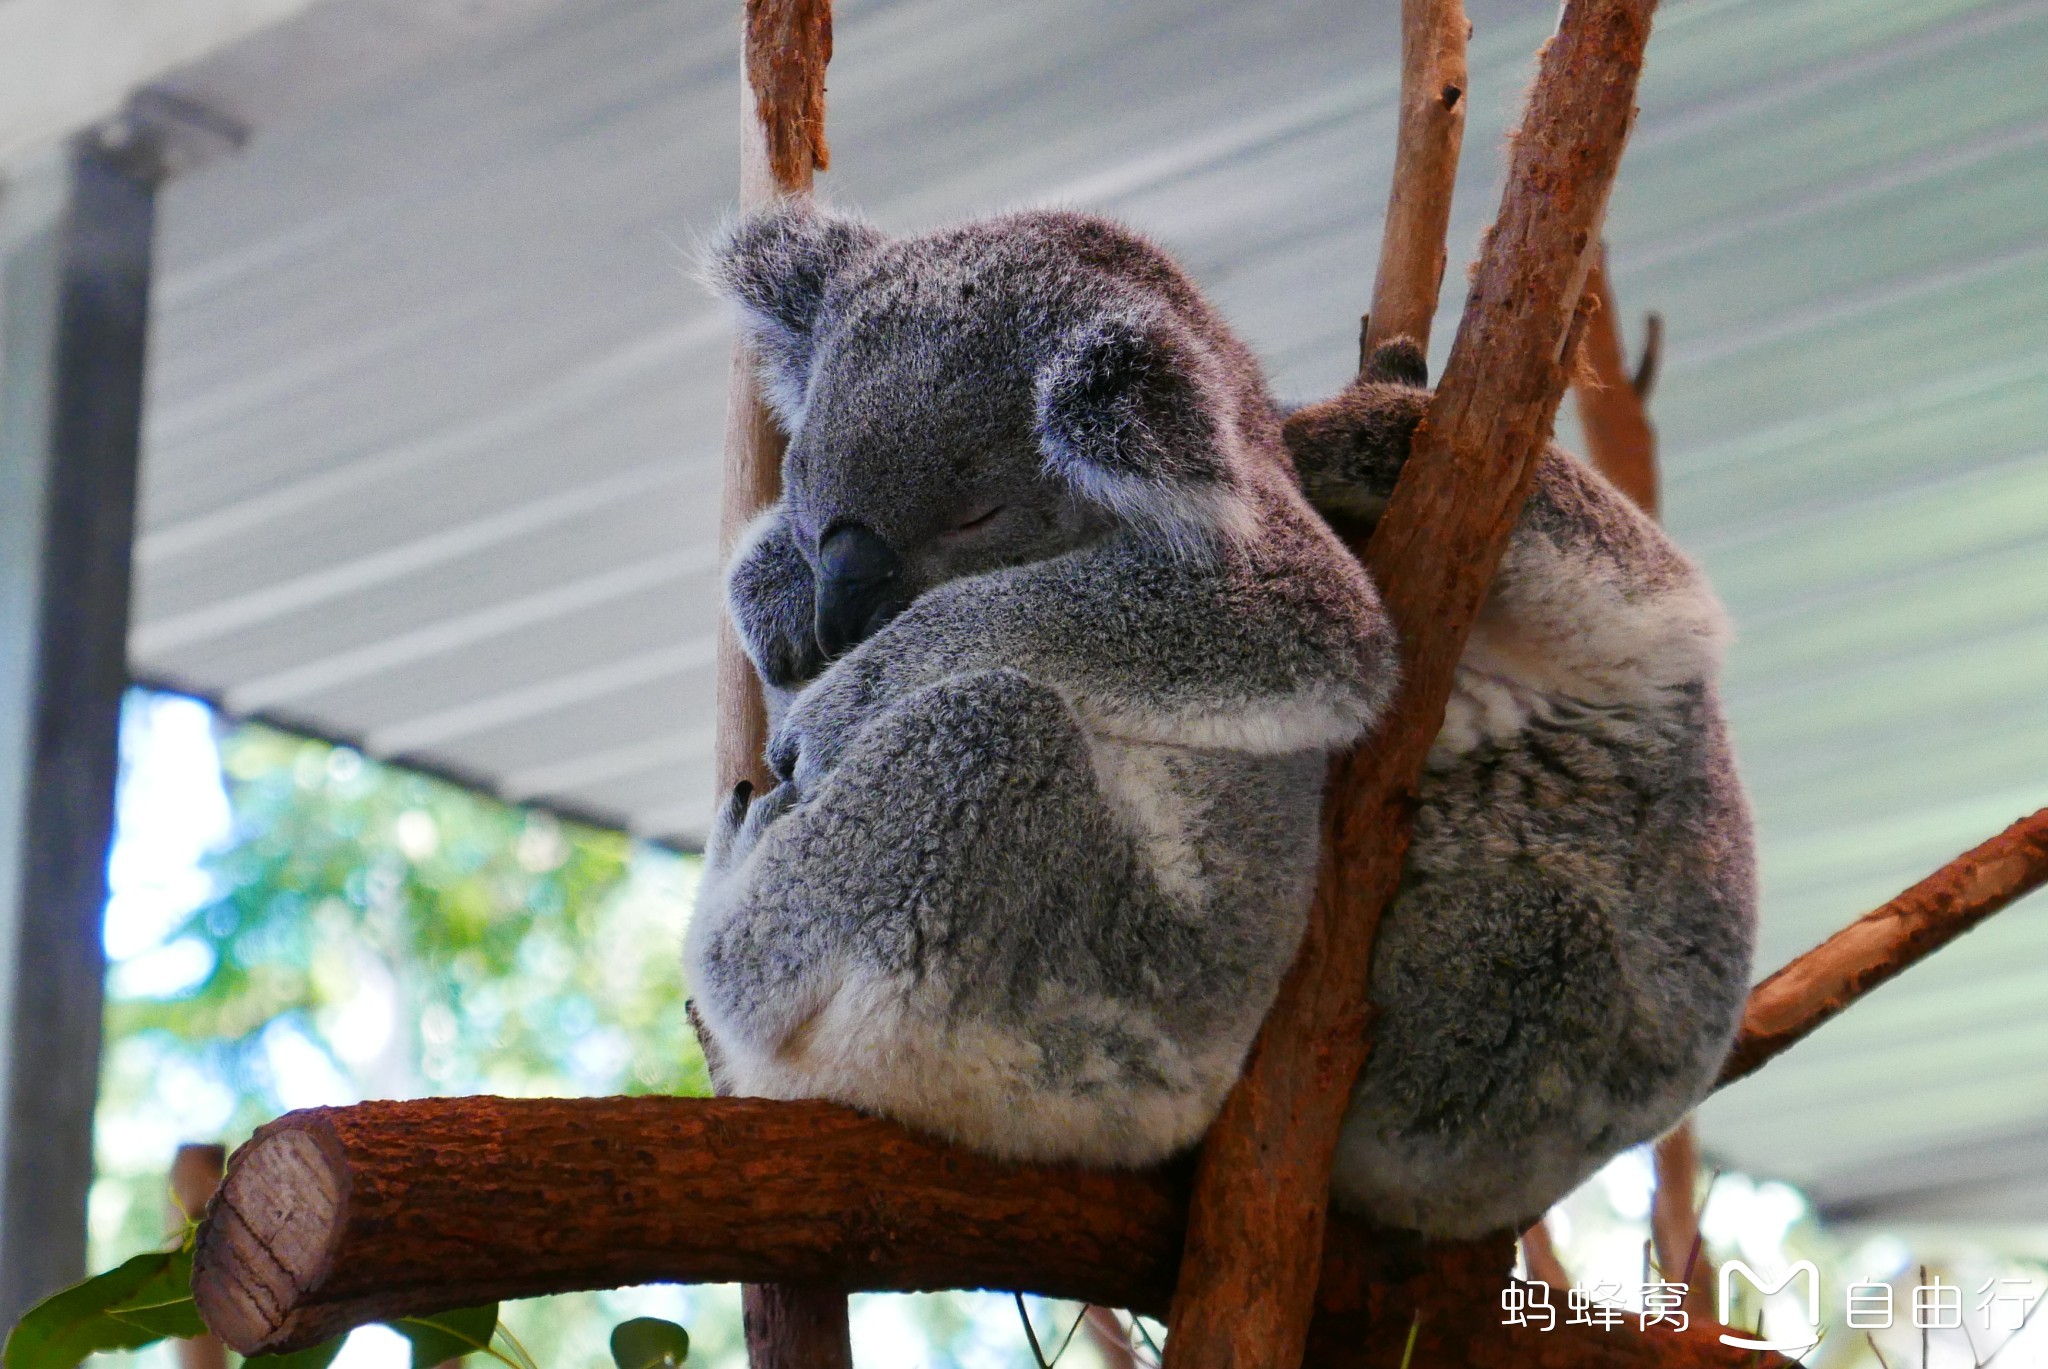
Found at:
<point>980,397</point>
<point>916,465</point>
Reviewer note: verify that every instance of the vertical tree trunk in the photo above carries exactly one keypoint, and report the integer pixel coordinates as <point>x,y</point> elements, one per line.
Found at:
<point>782,144</point>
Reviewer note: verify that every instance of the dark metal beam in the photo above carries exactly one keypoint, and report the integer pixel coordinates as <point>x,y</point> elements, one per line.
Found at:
<point>70,668</point>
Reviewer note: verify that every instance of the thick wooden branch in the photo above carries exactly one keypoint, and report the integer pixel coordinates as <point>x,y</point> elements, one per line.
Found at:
<point>784,53</point>
<point>335,1216</point>
<point>1432,130</point>
<point>1256,1225</point>
<point>1620,442</point>
<point>1811,990</point>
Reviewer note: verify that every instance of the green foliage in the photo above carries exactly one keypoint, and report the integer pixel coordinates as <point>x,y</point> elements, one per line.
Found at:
<point>485,915</point>
<point>163,1305</point>
<point>62,1329</point>
<point>149,1299</point>
<point>649,1343</point>
<point>448,1335</point>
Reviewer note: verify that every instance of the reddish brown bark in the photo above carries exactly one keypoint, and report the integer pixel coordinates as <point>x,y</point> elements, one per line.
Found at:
<point>1811,990</point>
<point>1620,441</point>
<point>788,44</point>
<point>1255,1229</point>
<point>336,1216</point>
<point>782,145</point>
<point>1412,255</point>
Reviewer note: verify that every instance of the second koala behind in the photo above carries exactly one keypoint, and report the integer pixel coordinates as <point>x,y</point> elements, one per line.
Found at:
<point>1056,653</point>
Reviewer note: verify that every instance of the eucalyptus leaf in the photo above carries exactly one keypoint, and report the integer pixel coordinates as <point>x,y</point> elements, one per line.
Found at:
<point>312,1357</point>
<point>649,1343</point>
<point>62,1329</point>
<point>163,1305</point>
<point>176,1320</point>
<point>442,1336</point>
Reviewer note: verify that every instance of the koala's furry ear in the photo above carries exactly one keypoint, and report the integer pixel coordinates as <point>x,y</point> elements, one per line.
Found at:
<point>1398,361</point>
<point>1123,417</point>
<point>776,264</point>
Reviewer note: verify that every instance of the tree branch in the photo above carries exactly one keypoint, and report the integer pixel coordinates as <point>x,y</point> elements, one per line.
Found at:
<point>1255,1228</point>
<point>1620,442</point>
<point>335,1216</point>
<point>788,44</point>
<point>1412,255</point>
<point>1789,1005</point>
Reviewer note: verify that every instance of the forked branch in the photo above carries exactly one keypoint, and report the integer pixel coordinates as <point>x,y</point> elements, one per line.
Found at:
<point>1256,1223</point>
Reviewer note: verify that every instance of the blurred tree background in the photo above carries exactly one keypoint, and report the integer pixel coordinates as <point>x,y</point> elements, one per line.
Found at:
<point>293,924</point>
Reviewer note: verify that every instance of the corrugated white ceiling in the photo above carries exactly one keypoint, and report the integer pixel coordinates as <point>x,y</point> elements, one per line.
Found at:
<point>431,456</point>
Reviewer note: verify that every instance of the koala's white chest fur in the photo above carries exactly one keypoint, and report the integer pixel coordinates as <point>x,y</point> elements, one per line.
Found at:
<point>1137,780</point>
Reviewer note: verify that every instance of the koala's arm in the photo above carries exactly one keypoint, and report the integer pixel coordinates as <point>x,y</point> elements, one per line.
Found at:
<point>771,597</point>
<point>1264,649</point>
<point>1592,600</point>
<point>958,928</point>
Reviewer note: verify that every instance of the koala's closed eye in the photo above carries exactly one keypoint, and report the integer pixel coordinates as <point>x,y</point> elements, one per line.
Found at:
<point>975,519</point>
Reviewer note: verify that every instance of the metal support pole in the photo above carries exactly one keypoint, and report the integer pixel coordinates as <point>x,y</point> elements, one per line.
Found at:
<point>74,314</point>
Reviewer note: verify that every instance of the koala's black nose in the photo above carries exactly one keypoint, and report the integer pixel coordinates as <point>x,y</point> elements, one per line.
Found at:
<point>860,587</point>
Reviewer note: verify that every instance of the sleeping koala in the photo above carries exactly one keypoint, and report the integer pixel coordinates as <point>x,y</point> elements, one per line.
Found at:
<point>1564,966</point>
<point>1047,823</point>
<point>1056,653</point>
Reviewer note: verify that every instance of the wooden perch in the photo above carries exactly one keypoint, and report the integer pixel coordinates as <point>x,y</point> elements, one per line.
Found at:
<point>1811,990</point>
<point>782,145</point>
<point>1255,1228</point>
<point>1613,407</point>
<point>335,1216</point>
<point>1432,130</point>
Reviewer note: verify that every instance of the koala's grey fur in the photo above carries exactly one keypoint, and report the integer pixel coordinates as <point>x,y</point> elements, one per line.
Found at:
<point>1044,838</point>
<point>1563,968</point>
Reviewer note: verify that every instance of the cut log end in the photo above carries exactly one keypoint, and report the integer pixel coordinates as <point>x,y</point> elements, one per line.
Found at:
<point>275,1224</point>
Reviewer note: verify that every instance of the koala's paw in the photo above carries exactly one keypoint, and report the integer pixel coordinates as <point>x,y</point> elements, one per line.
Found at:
<point>780,641</point>
<point>742,821</point>
<point>770,594</point>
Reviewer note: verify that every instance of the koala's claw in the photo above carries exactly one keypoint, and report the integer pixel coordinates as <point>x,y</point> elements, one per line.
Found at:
<point>725,828</point>
<point>743,819</point>
<point>783,754</point>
